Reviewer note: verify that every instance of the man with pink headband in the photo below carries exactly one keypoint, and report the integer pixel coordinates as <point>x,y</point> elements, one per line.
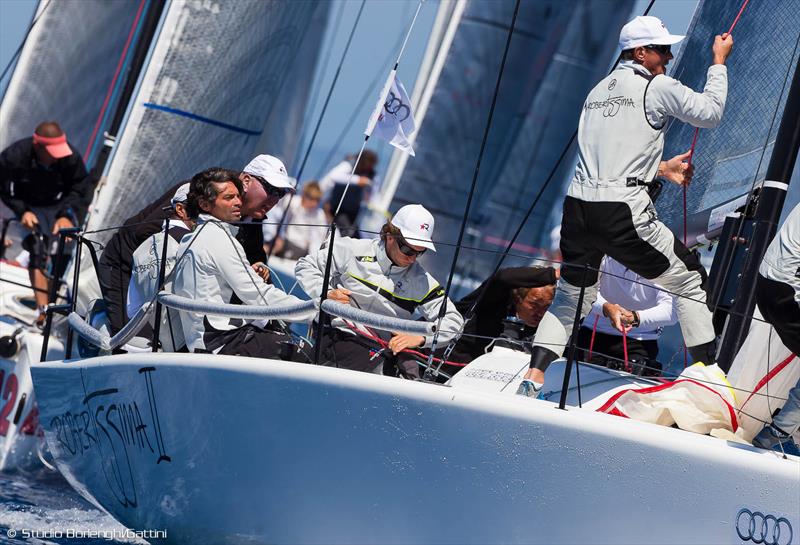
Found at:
<point>44,182</point>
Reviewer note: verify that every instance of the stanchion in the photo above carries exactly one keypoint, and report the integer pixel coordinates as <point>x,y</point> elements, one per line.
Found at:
<point>571,354</point>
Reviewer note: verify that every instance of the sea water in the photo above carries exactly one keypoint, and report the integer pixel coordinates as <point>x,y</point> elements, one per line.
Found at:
<point>39,507</point>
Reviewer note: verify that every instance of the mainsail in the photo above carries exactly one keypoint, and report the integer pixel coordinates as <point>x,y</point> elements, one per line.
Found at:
<point>68,63</point>
<point>212,95</point>
<point>733,157</point>
<point>558,49</point>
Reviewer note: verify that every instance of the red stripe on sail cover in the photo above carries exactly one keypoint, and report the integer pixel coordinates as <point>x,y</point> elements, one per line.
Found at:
<point>605,408</point>
<point>766,378</point>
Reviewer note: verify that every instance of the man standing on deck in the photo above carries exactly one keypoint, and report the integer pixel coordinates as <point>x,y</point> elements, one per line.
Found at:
<point>117,258</point>
<point>778,299</point>
<point>44,182</point>
<point>607,210</point>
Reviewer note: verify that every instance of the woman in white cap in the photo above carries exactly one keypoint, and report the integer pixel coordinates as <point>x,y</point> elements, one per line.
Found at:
<point>381,276</point>
<point>607,210</point>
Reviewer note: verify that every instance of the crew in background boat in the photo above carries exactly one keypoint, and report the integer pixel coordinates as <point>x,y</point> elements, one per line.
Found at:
<point>305,225</point>
<point>146,267</point>
<point>44,182</point>
<point>778,299</point>
<point>212,267</point>
<point>334,183</point>
<point>381,276</point>
<point>627,301</point>
<point>607,210</point>
<point>117,257</point>
<point>514,301</point>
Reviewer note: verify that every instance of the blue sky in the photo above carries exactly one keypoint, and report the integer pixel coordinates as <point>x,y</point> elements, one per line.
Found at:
<point>382,23</point>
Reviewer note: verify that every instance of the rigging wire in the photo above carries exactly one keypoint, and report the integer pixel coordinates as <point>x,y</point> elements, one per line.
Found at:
<point>443,307</point>
<point>316,127</point>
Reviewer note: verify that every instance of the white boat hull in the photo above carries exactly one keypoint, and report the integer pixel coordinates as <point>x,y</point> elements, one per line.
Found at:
<point>20,433</point>
<point>223,449</point>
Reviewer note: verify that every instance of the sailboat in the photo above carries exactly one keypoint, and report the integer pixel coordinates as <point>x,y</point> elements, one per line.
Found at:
<point>225,449</point>
<point>140,83</point>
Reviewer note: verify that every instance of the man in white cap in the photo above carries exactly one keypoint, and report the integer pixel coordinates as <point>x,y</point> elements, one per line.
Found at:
<point>146,267</point>
<point>607,210</point>
<point>265,182</point>
<point>117,257</point>
<point>45,184</point>
<point>381,276</point>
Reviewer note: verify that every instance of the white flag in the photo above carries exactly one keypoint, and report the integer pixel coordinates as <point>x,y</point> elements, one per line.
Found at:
<point>392,120</point>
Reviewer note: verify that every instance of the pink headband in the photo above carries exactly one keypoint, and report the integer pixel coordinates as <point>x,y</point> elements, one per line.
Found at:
<point>49,140</point>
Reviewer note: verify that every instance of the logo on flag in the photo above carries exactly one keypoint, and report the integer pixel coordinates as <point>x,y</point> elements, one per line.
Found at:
<point>393,120</point>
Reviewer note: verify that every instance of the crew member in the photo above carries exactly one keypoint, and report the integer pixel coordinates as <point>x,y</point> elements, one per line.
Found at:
<point>607,210</point>
<point>523,293</point>
<point>212,267</point>
<point>333,185</point>
<point>146,268</point>
<point>45,184</point>
<point>115,262</point>
<point>626,301</point>
<point>305,224</point>
<point>778,299</point>
<point>381,276</point>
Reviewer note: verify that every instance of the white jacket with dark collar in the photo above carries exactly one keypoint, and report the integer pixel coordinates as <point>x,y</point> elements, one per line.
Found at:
<point>379,286</point>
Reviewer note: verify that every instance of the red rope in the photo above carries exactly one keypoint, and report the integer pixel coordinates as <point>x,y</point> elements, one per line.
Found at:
<point>385,345</point>
<point>111,85</point>
<point>591,343</point>
<point>625,348</point>
<point>738,15</point>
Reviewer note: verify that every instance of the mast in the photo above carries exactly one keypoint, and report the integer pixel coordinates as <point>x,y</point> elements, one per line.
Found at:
<point>758,230</point>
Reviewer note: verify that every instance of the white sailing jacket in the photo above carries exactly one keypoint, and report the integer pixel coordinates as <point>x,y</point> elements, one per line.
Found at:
<point>379,286</point>
<point>781,261</point>
<point>144,282</point>
<point>621,136</point>
<point>212,267</point>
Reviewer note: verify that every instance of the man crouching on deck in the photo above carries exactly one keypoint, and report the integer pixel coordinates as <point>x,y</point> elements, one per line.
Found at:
<point>212,266</point>
<point>381,276</point>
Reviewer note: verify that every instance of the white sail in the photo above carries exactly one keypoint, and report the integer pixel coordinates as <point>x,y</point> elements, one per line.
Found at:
<point>212,95</point>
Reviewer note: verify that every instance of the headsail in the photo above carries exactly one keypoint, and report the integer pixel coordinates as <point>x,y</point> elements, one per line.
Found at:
<point>729,159</point>
<point>65,69</point>
<point>212,96</point>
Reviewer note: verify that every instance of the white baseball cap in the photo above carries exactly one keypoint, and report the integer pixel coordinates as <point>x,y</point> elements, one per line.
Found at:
<point>646,30</point>
<point>416,225</point>
<point>181,194</point>
<point>272,170</point>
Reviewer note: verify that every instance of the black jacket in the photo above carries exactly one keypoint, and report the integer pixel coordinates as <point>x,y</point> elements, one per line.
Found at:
<point>25,183</point>
<point>495,305</point>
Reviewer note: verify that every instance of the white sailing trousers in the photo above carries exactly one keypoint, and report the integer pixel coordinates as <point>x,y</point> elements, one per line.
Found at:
<point>621,222</point>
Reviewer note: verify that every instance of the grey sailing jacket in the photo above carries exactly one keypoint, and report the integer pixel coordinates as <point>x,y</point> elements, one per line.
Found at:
<point>379,286</point>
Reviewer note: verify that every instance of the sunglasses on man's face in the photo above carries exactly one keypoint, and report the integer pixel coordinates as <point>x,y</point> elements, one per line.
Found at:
<point>406,249</point>
<point>272,191</point>
<point>663,49</point>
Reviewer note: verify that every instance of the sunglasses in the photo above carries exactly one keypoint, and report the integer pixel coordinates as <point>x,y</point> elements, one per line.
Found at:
<point>663,49</point>
<point>272,191</point>
<point>406,249</point>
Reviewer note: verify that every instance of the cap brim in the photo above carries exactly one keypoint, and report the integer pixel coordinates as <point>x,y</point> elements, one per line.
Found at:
<point>415,241</point>
<point>669,39</point>
<point>284,182</point>
<point>59,151</point>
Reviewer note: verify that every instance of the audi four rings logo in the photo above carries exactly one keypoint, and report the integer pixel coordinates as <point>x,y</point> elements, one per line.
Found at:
<point>763,529</point>
<point>395,107</point>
